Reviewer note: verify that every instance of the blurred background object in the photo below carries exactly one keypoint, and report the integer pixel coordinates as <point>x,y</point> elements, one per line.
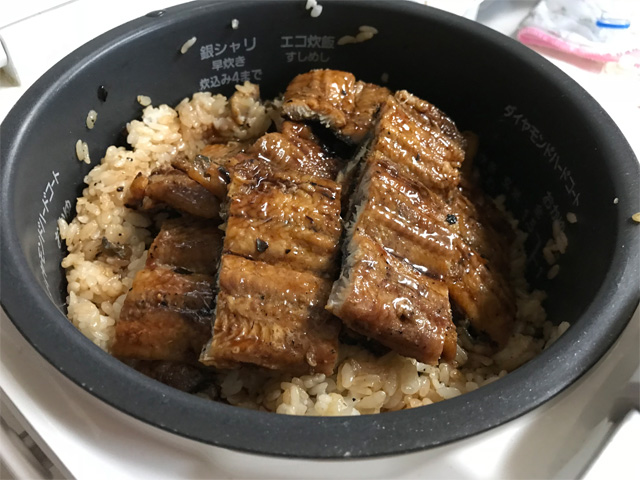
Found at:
<point>598,30</point>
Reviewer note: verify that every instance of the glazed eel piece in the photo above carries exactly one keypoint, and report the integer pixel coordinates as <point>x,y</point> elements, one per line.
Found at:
<point>336,100</point>
<point>208,168</point>
<point>397,249</point>
<point>479,281</point>
<point>279,258</point>
<point>409,214</point>
<point>416,141</point>
<point>167,314</point>
<point>172,189</point>
<point>187,377</point>
<point>397,252</point>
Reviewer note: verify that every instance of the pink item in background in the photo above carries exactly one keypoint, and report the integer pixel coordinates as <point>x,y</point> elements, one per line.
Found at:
<point>537,37</point>
<point>596,30</point>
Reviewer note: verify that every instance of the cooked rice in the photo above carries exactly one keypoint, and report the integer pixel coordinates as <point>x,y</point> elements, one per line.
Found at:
<point>364,36</point>
<point>365,32</point>
<point>555,246</point>
<point>346,39</point>
<point>316,11</point>
<point>363,383</point>
<point>82,152</point>
<point>92,116</point>
<point>561,241</point>
<point>368,28</point>
<point>144,100</point>
<point>187,45</point>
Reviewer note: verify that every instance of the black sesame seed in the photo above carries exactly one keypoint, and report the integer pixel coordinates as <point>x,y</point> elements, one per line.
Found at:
<point>343,91</point>
<point>120,189</point>
<point>287,251</point>
<point>102,93</point>
<point>451,219</point>
<point>261,245</point>
<point>225,175</point>
<point>417,157</point>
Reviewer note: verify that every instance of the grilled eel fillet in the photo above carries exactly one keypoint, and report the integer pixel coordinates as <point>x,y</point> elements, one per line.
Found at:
<point>167,313</point>
<point>414,205</point>
<point>174,190</point>
<point>279,258</point>
<point>336,100</point>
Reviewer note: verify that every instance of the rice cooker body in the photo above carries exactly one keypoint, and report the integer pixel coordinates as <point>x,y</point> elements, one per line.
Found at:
<point>544,143</point>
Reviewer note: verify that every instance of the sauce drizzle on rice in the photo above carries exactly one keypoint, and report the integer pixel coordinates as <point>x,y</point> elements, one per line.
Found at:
<point>363,382</point>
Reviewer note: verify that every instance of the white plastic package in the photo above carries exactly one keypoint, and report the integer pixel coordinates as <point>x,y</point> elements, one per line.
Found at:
<point>600,30</point>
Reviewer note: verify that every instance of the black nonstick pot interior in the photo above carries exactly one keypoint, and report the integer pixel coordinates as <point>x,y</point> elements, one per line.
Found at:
<point>544,143</point>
